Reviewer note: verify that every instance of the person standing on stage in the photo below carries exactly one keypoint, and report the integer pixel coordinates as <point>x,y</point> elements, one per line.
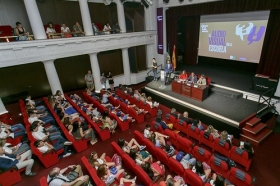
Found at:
<point>201,80</point>
<point>168,69</point>
<point>89,81</point>
<point>154,65</point>
<point>192,78</point>
<point>111,81</point>
<point>103,80</point>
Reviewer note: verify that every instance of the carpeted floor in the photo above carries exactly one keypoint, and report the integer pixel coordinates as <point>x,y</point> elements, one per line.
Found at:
<point>265,165</point>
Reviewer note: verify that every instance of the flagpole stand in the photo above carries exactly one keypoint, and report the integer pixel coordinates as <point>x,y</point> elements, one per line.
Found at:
<point>162,78</point>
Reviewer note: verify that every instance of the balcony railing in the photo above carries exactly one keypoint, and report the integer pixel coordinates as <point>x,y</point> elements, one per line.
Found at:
<point>23,52</point>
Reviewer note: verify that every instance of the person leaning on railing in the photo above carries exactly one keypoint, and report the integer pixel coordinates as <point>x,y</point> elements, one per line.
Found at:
<point>51,31</point>
<point>21,33</point>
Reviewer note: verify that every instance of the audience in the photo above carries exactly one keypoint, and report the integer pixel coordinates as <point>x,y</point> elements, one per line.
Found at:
<point>45,147</point>
<point>21,32</point>
<point>107,28</point>
<point>56,177</point>
<point>116,28</point>
<point>226,137</point>
<point>147,131</point>
<point>158,139</point>
<point>185,117</point>
<point>154,169</point>
<point>210,129</point>
<point>14,131</point>
<point>163,123</point>
<point>140,157</point>
<point>108,123</point>
<point>78,29</point>
<point>132,144</point>
<point>96,161</point>
<point>173,113</point>
<point>111,81</point>
<point>202,170</point>
<point>77,131</point>
<point>152,105</point>
<point>247,146</point>
<point>105,174</point>
<point>15,150</point>
<point>65,31</point>
<point>197,123</point>
<point>103,80</point>
<point>169,150</point>
<point>176,181</point>
<point>51,31</point>
<point>95,29</point>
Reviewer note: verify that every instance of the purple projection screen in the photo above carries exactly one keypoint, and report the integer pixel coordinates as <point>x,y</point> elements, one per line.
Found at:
<point>160,30</point>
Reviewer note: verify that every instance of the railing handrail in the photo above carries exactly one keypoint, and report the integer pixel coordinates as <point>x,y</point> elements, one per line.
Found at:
<point>152,70</point>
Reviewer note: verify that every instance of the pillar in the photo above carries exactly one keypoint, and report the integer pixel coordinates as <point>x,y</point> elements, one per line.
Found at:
<point>121,17</point>
<point>86,17</point>
<point>52,76</point>
<point>95,71</point>
<point>148,22</point>
<point>164,31</point>
<point>35,19</point>
<point>126,66</point>
<point>2,108</point>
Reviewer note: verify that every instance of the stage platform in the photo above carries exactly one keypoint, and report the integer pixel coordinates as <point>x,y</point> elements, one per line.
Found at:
<point>216,109</point>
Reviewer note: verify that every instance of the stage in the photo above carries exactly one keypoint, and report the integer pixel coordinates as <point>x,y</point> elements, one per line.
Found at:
<point>216,109</point>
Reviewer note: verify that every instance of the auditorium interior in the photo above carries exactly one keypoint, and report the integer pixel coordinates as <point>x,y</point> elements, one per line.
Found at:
<point>241,94</point>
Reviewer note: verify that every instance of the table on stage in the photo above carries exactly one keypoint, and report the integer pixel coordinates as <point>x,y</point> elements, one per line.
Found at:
<point>197,93</point>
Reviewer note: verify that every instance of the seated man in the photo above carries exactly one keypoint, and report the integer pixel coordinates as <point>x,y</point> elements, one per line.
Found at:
<point>173,113</point>
<point>7,161</point>
<point>46,147</point>
<point>201,80</point>
<point>15,150</point>
<point>116,28</point>
<point>192,78</point>
<point>43,118</point>
<point>13,131</point>
<point>163,123</point>
<point>185,117</point>
<point>183,76</point>
<point>78,29</point>
<point>56,177</point>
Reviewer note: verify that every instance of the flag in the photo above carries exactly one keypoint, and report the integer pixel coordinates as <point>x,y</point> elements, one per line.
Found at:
<point>174,58</point>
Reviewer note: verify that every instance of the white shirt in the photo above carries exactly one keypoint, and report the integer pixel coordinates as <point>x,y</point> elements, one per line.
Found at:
<point>32,119</point>
<point>43,149</point>
<point>38,135</point>
<point>7,157</point>
<point>100,161</point>
<point>50,30</point>
<point>65,29</point>
<point>57,182</point>
<point>7,149</point>
<point>146,133</point>
<point>4,134</point>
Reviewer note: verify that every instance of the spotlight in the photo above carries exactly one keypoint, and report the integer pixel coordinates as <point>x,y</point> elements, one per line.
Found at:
<point>166,1</point>
<point>20,114</point>
<point>181,1</point>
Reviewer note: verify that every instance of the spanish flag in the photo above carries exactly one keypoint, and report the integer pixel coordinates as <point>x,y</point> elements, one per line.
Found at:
<point>174,58</point>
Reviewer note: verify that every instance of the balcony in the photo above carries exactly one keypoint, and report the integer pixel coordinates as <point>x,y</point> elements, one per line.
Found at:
<point>23,52</point>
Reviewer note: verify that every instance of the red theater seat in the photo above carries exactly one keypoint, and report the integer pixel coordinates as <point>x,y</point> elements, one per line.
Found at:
<point>222,147</point>
<point>139,137</point>
<point>238,177</point>
<point>176,166</point>
<point>207,140</point>
<point>219,166</point>
<point>172,137</point>
<point>156,127</point>
<point>7,30</point>
<point>241,157</point>
<point>193,132</point>
<point>182,126</point>
<point>138,117</point>
<point>184,144</point>
<point>43,181</point>
<point>192,178</point>
<point>162,156</point>
<point>201,154</point>
<point>117,149</point>
<point>9,177</point>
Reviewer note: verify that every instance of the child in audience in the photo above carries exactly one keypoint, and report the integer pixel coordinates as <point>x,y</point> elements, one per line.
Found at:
<point>158,139</point>
<point>202,170</point>
<point>176,181</point>
<point>132,144</point>
<point>153,170</point>
<point>147,131</point>
<point>247,146</point>
<point>105,175</point>
<point>96,161</point>
<point>169,150</point>
<point>226,137</point>
<point>140,157</point>
<point>77,131</point>
<point>210,129</point>
<point>150,102</point>
<point>163,123</point>
<point>197,123</point>
<point>108,123</point>
<point>45,147</point>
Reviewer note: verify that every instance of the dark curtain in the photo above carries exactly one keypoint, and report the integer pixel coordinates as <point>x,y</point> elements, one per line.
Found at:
<point>171,29</point>
<point>270,58</point>
<point>192,24</point>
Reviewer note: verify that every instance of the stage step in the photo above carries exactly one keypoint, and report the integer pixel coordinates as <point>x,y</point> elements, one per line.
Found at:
<point>226,93</point>
<point>264,112</point>
<point>254,129</point>
<point>256,139</point>
<point>253,121</point>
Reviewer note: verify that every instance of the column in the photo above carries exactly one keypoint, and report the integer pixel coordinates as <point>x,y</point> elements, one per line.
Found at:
<point>35,19</point>
<point>149,56</point>
<point>95,71</point>
<point>126,66</point>
<point>121,17</point>
<point>86,17</point>
<point>164,31</point>
<point>2,108</point>
<point>148,22</point>
<point>52,76</point>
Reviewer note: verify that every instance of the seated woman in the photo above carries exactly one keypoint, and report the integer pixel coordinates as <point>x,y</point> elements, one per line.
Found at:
<point>150,102</point>
<point>127,146</point>
<point>140,157</point>
<point>247,146</point>
<point>210,129</point>
<point>51,30</point>
<point>105,174</point>
<point>21,32</point>
<point>176,181</point>
<point>77,131</point>
<point>187,161</point>
<point>201,80</point>
<point>226,137</point>
<point>183,76</point>
<point>108,123</point>
<point>136,94</point>
<point>163,123</point>
<point>197,123</point>
<point>65,31</point>
<point>153,170</point>
<point>202,170</point>
<point>107,28</point>
<point>96,161</point>
<point>158,139</point>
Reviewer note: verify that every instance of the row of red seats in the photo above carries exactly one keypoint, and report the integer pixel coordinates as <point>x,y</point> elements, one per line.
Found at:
<point>235,153</point>
<point>234,175</point>
<point>123,125</point>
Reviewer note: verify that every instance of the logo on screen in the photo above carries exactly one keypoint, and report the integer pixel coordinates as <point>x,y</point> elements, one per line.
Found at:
<point>251,31</point>
<point>160,46</point>
<point>204,28</point>
<point>159,18</point>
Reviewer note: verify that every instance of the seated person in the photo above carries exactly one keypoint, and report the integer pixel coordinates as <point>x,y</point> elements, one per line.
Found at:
<point>173,113</point>
<point>38,104</point>
<point>137,95</point>
<point>138,110</point>
<point>78,29</point>
<point>169,150</point>
<point>8,161</point>
<point>107,28</point>
<point>15,150</point>
<point>51,30</point>
<point>192,78</point>
<point>153,169</point>
<point>197,123</point>
<point>104,173</point>
<point>201,80</point>
<point>56,177</point>
<point>132,144</point>
<point>218,180</point>
<point>96,161</point>
<point>14,131</point>
<point>226,137</point>
<point>116,28</point>
<point>158,139</point>
<point>210,129</point>
<point>21,32</point>
<point>140,157</point>
<point>176,181</point>
<point>150,102</point>
<point>65,31</point>
<point>105,97</point>
<point>43,118</point>
<point>49,129</point>
<point>187,160</point>
<point>130,91</point>
<point>143,97</point>
<point>183,76</point>
<point>108,123</point>
<point>147,131</point>
<point>45,147</point>
<point>185,117</point>
<point>163,123</point>
<point>202,170</point>
<point>125,180</point>
<point>95,29</point>
<point>77,131</point>
<point>247,146</point>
